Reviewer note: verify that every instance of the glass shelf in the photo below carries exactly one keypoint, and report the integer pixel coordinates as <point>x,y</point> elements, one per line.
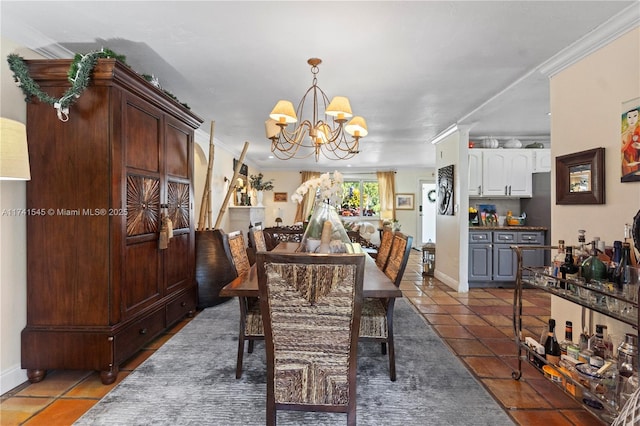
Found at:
<point>596,297</point>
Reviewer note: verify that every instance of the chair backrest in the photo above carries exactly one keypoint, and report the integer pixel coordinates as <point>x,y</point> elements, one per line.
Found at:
<point>311,306</point>
<point>257,240</point>
<point>398,258</point>
<point>238,252</point>
<point>386,240</point>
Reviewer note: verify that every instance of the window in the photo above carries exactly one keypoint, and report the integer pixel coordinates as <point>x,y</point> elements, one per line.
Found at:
<point>360,198</point>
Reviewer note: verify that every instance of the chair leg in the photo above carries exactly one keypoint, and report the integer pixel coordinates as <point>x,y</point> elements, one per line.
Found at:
<point>392,349</point>
<point>351,417</point>
<point>271,414</point>
<point>250,348</point>
<point>383,348</point>
<point>240,354</point>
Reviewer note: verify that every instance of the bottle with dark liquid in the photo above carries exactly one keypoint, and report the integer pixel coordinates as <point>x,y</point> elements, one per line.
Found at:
<point>625,260</point>
<point>551,345</point>
<point>568,269</point>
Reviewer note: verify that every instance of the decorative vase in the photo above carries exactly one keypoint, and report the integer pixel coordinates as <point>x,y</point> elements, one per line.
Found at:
<point>325,222</point>
<point>260,196</point>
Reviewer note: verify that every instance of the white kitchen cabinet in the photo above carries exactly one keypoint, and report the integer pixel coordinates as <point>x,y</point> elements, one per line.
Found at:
<point>475,172</point>
<point>541,160</point>
<point>507,173</point>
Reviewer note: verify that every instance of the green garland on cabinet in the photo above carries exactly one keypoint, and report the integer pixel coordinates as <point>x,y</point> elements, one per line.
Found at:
<point>78,75</point>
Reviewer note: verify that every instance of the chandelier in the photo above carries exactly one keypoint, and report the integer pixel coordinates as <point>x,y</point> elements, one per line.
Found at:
<point>327,136</point>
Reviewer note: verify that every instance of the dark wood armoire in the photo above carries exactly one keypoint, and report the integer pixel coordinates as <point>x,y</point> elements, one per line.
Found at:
<point>99,284</point>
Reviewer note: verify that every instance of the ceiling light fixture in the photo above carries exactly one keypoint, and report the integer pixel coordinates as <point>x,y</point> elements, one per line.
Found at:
<point>325,136</point>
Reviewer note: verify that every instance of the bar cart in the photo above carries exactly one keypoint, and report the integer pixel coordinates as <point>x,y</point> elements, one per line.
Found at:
<point>573,291</point>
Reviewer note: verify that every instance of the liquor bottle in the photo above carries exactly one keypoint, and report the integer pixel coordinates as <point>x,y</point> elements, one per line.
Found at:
<point>551,345</point>
<point>598,347</point>
<point>615,259</point>
<point>633,260</point>
<point>584,340</point>
<point>558,259</point>
<point>593,268</point>
<point>618,273</point>
<point>568,338</point>
<point>569,269</point>
<point>608,343</point>
<point>581,252</point>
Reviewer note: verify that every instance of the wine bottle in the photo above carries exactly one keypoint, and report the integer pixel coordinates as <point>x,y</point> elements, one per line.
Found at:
<point>568,338</point>
<point>568,269</point>
<point>633,261</point>
<point>551,345</point>
<point>618,273</point>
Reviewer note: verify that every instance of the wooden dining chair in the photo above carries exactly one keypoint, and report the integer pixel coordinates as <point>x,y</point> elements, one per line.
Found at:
<point>376,323</point>
<point>257,242</point>
<point>311,307</point>
<point>250,318</point>
<point>386,240</point>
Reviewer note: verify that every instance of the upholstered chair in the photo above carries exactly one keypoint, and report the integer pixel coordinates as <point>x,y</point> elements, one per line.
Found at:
<point>257,242</point>
<point>377,314</point>
<point>311,308</point>
<point>250,319</point>
<point>386,240</point>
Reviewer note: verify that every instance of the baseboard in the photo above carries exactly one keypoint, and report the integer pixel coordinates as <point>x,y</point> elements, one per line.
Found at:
<point>12,378</point>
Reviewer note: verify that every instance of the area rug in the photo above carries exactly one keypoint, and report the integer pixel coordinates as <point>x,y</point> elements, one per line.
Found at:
<point>191,380</point>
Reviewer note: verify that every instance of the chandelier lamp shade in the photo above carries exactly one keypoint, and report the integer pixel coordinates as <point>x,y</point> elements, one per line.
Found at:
<point>324,132</point>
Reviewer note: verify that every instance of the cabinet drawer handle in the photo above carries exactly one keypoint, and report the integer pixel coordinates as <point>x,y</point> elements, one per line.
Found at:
<point>143,331</point>
<point>183,304</point>
<point>479,189</point>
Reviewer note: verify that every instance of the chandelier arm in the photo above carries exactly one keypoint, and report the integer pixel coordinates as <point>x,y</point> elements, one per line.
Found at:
<point>326,137</point>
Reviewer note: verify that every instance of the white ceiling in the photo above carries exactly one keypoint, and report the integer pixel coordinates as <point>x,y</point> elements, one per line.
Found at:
<point>411,68</point>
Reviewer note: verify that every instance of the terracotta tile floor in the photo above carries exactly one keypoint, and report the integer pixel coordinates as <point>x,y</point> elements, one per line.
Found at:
<point>476,327</point>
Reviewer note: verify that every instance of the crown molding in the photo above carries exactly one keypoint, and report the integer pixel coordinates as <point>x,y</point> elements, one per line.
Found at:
<point>604,34</point>
<point>35,40</point>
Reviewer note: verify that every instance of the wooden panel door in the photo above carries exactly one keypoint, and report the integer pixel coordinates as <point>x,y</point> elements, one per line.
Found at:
<point>142,130</point>
<point>179,258</point>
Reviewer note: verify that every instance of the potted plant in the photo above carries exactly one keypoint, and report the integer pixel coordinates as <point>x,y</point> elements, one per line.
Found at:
<point>260,185</point>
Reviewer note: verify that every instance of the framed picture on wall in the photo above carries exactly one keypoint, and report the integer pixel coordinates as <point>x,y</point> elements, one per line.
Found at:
<point>445,190</point>
<point>279,197</point>
<point>630,143</point>
<point>405,201</point>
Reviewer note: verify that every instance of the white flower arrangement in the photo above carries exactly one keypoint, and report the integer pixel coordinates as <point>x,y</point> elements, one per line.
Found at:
<point>326,187</point>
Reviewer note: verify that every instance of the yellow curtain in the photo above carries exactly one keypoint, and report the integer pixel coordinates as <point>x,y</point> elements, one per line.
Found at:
<point>387,191</point>
<point>307,201</point>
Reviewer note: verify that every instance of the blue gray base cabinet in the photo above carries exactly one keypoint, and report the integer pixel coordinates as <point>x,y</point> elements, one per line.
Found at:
<point>491,259</point>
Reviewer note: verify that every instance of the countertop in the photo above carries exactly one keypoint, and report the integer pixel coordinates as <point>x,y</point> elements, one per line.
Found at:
<point>508,228</point>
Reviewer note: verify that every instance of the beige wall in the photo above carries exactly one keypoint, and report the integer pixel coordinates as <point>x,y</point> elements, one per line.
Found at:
<point>586,107</point>
<point>13,263</point>
<point>452,231</point>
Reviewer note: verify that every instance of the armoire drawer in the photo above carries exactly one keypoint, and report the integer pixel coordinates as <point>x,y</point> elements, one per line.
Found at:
<point>135,336</point>
<point>178,308</point>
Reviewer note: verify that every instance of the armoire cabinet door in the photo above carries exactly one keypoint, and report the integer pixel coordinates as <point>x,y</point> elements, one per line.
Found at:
<point>145,189</point>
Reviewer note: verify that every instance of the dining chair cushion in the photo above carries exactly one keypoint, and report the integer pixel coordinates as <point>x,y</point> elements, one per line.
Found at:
<point>373,322</point>
<point>253,318</point>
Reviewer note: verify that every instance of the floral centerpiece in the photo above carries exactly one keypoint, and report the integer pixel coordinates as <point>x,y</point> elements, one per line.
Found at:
<point>325,232</point>
<point>259,183</point>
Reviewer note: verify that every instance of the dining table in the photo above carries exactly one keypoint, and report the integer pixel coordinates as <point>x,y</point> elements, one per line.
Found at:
<point>376,283</point>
